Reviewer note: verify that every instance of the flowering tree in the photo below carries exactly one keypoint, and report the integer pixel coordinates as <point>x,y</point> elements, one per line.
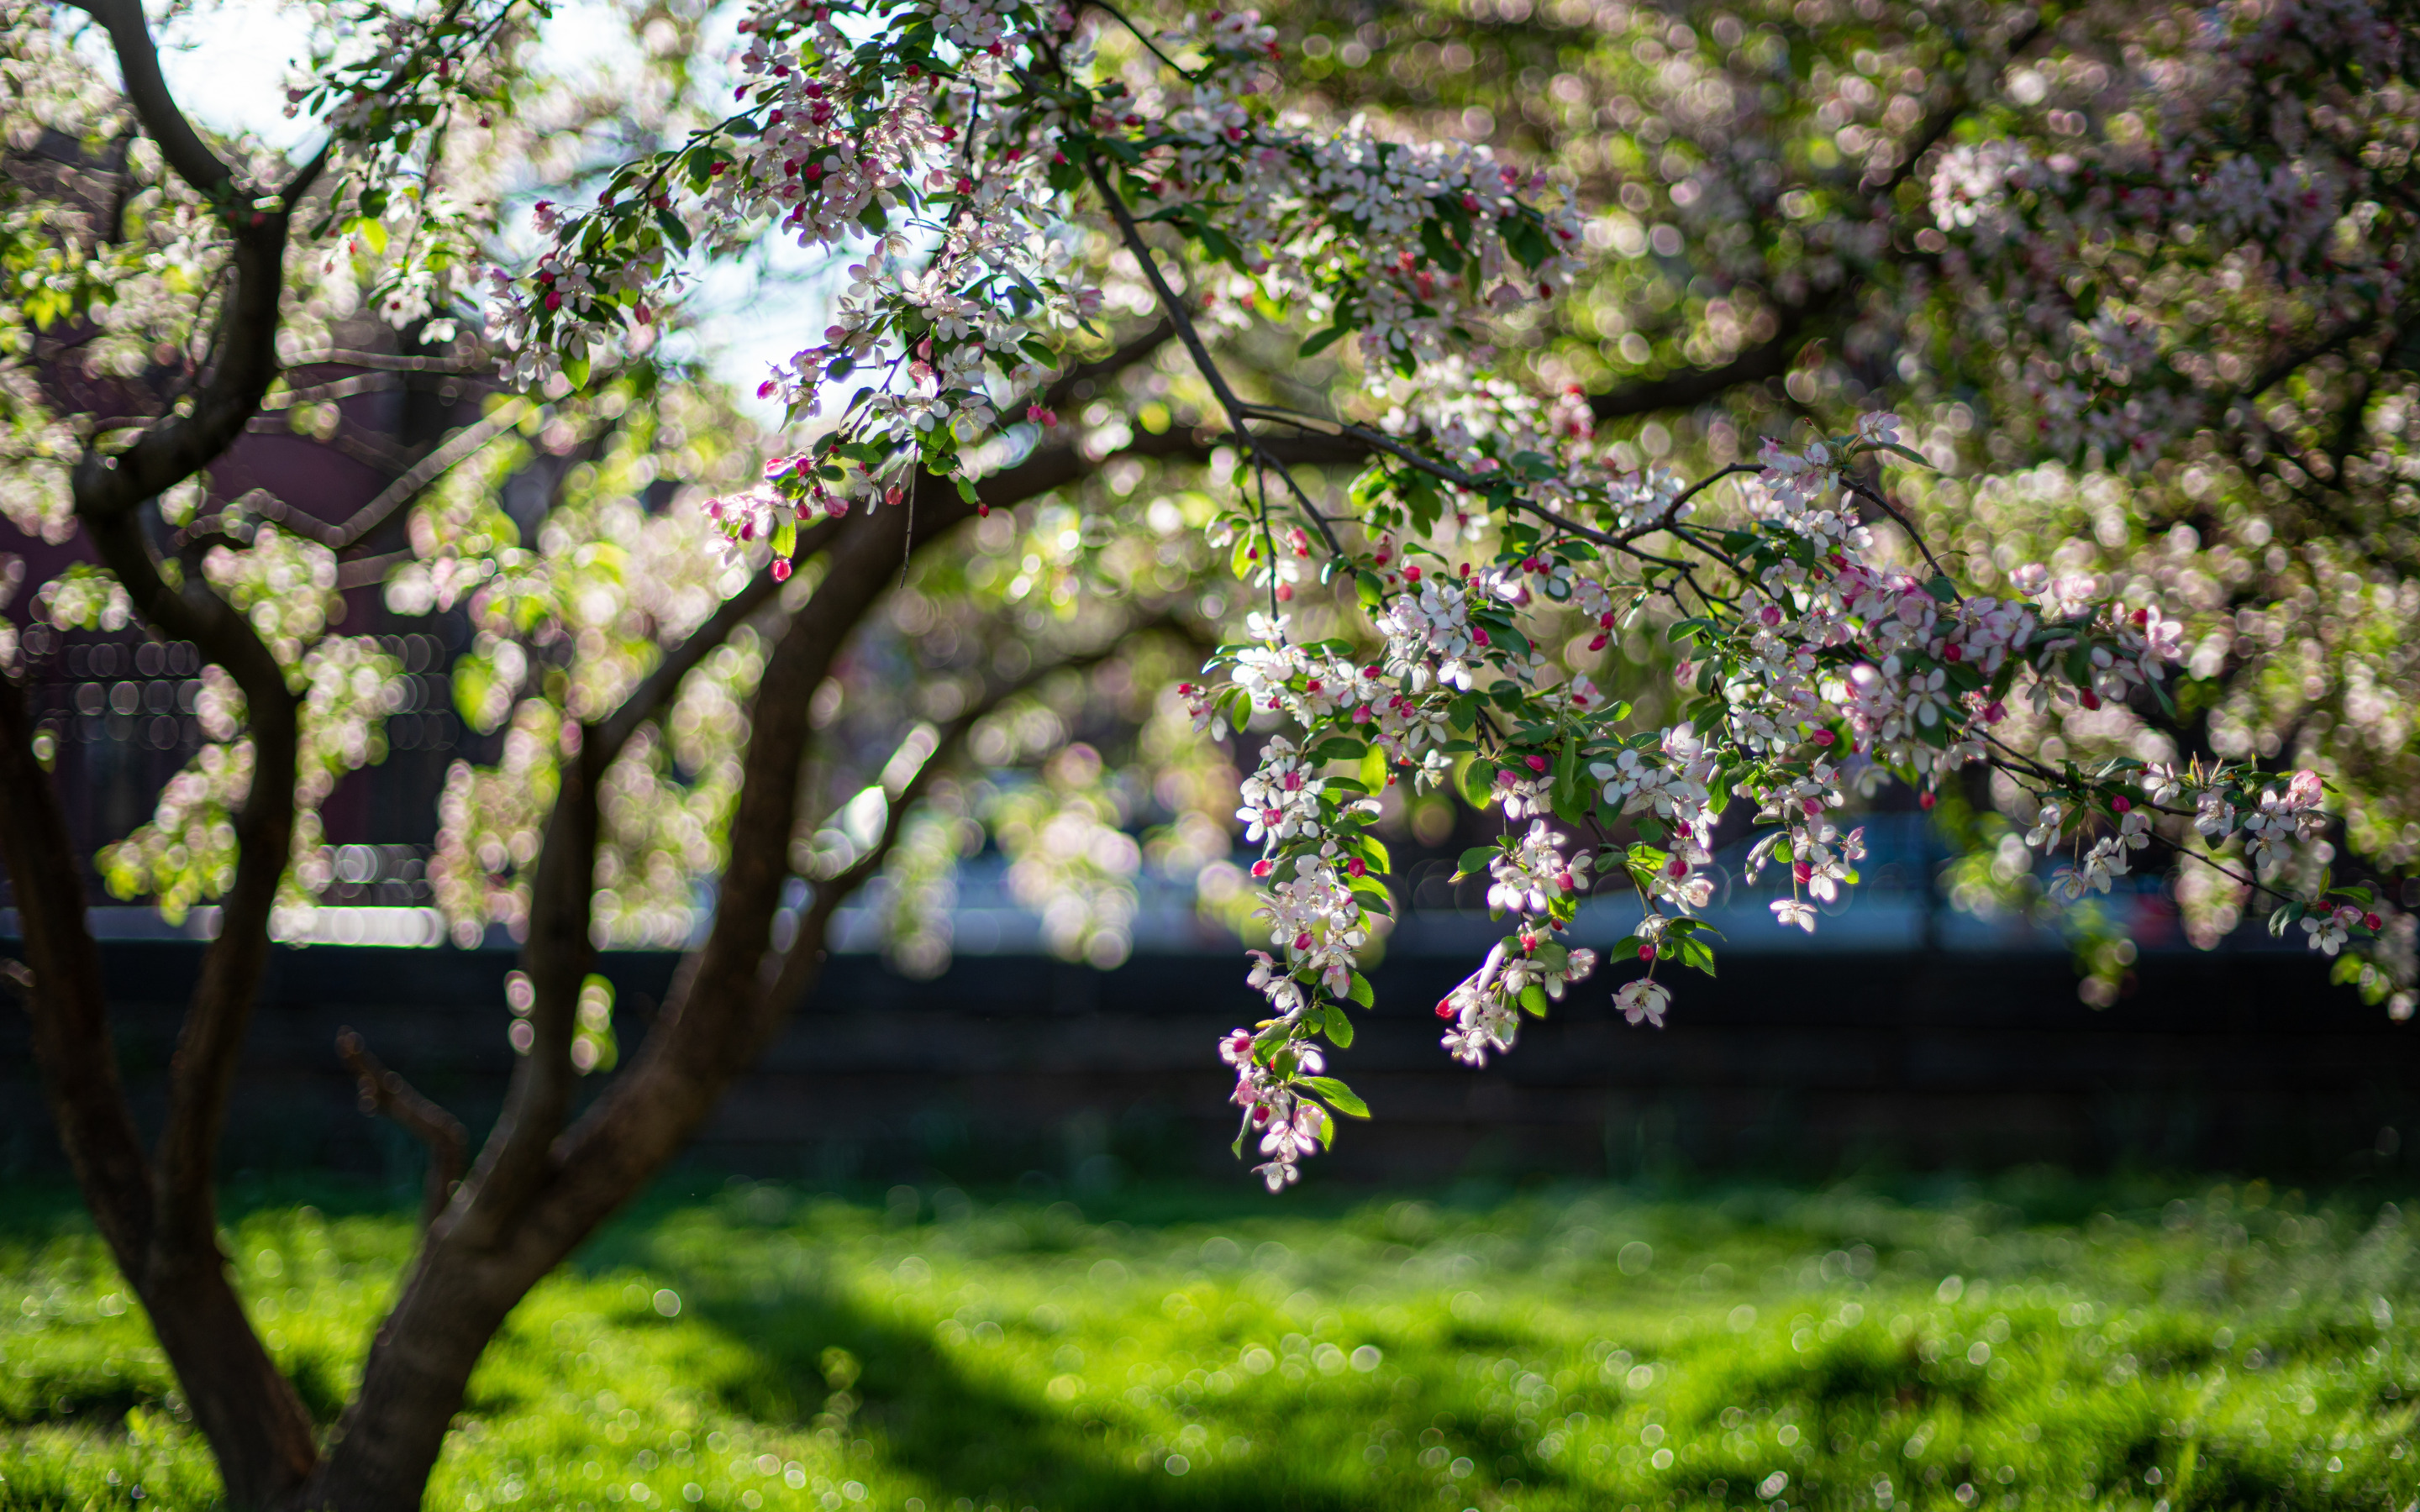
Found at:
<point>1428,552</point>
<point>2128,273</point>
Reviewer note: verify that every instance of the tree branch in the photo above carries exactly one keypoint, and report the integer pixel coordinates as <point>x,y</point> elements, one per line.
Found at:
<point>384,1092</point>
<point>1796,324</point>
<point>1174,309</point>
<point>1768,358</point>
<point>72,1043</point>
<point>174,447</point>
<point>789,974</point>
<point>138,67</point>
<point>657,689</point>
<point>1064,387</point>
<point>403,490</point>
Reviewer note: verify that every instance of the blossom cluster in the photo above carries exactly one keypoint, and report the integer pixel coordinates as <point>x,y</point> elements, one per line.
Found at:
<point>950,151</point>
<point>1819,666</point>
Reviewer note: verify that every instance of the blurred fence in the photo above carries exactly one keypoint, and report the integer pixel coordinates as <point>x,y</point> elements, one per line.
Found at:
<point>1013,1066</point>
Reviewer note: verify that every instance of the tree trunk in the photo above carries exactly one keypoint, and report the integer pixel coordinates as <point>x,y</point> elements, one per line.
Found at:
<point>420,1364</point>
<point>257,1426</point>
<point>259,1430</point>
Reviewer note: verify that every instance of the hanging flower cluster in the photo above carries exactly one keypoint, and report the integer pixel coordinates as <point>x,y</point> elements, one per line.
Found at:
<point>1818,665</point>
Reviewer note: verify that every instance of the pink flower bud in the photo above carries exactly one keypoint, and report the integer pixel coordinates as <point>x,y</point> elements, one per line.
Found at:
<point>1262,868</point>
<point>1445,1008</point>
<point>1535,764</point>
<point>2121,803</point>
<point>2372,923</point>
<point>780,569</point>
<point>1356,868</point>
<point>1647,952</point>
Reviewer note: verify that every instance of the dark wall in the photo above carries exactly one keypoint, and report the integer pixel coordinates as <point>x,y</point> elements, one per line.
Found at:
<point>1799,1065</point>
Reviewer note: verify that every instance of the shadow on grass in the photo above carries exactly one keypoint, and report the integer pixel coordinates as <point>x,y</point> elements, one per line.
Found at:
<point>937,1431</point>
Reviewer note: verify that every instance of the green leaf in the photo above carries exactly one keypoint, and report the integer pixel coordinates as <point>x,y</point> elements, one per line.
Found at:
<point>1339,1096</point>
<point>1909,453</point>
<point>1433,242</point>
<point>1373,851</point>
<point>1473,862</point>
<point>675,231</point>
<point>1477,782</point>
<point>1362,994</point>
<point>574,372</point>
<point>1533,1000</point>
<point>1326,339</point>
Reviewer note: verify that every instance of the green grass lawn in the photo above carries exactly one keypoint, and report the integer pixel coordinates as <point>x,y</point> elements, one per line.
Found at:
<point>747,1348</point>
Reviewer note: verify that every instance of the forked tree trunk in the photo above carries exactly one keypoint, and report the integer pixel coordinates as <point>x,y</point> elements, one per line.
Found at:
<point>493,1244</point>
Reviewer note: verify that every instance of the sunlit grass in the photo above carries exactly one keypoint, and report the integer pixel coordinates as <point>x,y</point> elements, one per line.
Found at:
<point>1594,1348</point>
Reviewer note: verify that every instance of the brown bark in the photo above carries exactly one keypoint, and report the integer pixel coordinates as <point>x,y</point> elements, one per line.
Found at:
<point>499,1241</point>
<point>258,1428</point>
<point>384,1092</point>
<point>71,1040</point>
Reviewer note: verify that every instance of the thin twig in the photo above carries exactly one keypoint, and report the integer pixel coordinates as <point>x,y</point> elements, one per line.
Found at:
<point>384,1092</point>
<point>1892,510</point>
